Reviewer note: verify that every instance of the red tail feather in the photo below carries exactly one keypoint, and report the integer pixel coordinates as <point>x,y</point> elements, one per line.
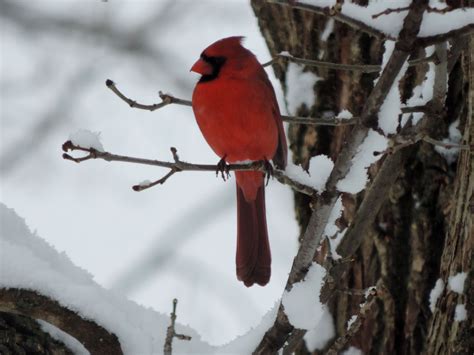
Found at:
<point>253,257</point>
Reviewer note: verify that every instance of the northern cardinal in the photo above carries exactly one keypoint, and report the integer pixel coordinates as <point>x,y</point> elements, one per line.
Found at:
<point>237,111</point>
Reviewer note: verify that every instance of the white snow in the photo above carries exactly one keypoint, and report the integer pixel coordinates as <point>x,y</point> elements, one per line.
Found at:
<point>247,343</point>
<point>327,30</point>
<point>434,23</point>
<point>332,230</point>
<point>351,321</point>
<point>460,313</point>
<point>454,137</point>
<point>344,115</point>
<point>336,212</point>
<point>435,293</point>
<point>356,179</point>
<point>456,282</point>
<point>320,3</point>
<point>28,262</point>
<point>318,337</point>
<point>391,24</point>
<point>86,139</point>
<point>352,351</point>
<point>302,305</point>
<point>300,87</point>
<point>421,93</point>
<point>72,343</point>
<point>144,183</point>
<point>320,168</point>
<point>285,54</point>
<point>391,107</point>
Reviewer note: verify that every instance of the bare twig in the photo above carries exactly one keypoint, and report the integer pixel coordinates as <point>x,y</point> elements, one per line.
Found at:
<point>178,165</point>
<point>389,11</point>
<point>401,9</point>
<point>171,332</point>
<point>168,99</point>
<point>95,338</point>
<point>446,145</point>
<point>364,68</point>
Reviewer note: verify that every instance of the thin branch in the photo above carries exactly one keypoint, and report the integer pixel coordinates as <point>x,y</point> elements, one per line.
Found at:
<point>168,99</point>
<point>96,339</point>
<point>401,9</point>
<point>389,11</point>
<point>364,68</point>
<point>144,186</point>
<point>178,165</point>
<point>171,332</point>
<point>446,145</point>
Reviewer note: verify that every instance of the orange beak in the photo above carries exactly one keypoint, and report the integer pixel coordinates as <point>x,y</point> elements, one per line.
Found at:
<point>202,67</point>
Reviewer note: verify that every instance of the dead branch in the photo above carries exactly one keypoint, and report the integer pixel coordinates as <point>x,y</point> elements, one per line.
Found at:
<point>171,332</point>
<point>389,11</point>
<point>168,99</point>
<point>95,338</point>
<point>276,336</point>
<point>401,9</point>
<point>178,165</point>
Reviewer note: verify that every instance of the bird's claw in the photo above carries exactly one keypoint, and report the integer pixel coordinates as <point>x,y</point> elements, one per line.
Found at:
<point>223,168</point>
<point>268,168</point>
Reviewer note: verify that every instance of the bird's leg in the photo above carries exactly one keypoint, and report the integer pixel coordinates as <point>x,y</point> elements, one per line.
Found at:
<point>268,169</point>
<point>223,168</point>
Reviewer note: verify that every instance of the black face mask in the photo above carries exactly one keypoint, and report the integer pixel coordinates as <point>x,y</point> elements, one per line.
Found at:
<point>216,63</point>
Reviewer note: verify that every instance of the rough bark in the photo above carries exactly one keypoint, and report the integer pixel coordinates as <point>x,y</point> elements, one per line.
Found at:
<point>95,338</point>
<point>444,334</point>
<point>403,248</point>
<point>23,335</point>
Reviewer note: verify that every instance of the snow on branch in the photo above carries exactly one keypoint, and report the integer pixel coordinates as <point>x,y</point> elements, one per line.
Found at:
<point>437,25</point>
<point>276,336</point>
<point>92,336</point>
<point>41,283</point>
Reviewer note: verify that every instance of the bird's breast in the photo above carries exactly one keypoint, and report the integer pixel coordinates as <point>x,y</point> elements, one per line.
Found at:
<point>237,119</point>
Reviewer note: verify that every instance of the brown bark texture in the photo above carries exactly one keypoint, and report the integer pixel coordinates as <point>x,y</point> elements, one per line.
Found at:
<point>424,229</point>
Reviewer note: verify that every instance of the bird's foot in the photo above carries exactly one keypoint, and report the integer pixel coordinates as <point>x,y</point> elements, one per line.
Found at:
<point>223,169</point>
<point>268,170</point>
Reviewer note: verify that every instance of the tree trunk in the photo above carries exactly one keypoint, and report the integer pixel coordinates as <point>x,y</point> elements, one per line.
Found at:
<point>424,229</point>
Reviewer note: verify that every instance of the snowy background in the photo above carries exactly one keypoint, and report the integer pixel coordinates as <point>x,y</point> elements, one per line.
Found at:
<point>176,240</point>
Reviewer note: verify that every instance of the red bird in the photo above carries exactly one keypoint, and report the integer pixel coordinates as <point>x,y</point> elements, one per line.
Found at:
<point>237,111</point>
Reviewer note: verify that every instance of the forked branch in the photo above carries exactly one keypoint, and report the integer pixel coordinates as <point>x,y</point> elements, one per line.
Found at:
<point>178,165</point>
